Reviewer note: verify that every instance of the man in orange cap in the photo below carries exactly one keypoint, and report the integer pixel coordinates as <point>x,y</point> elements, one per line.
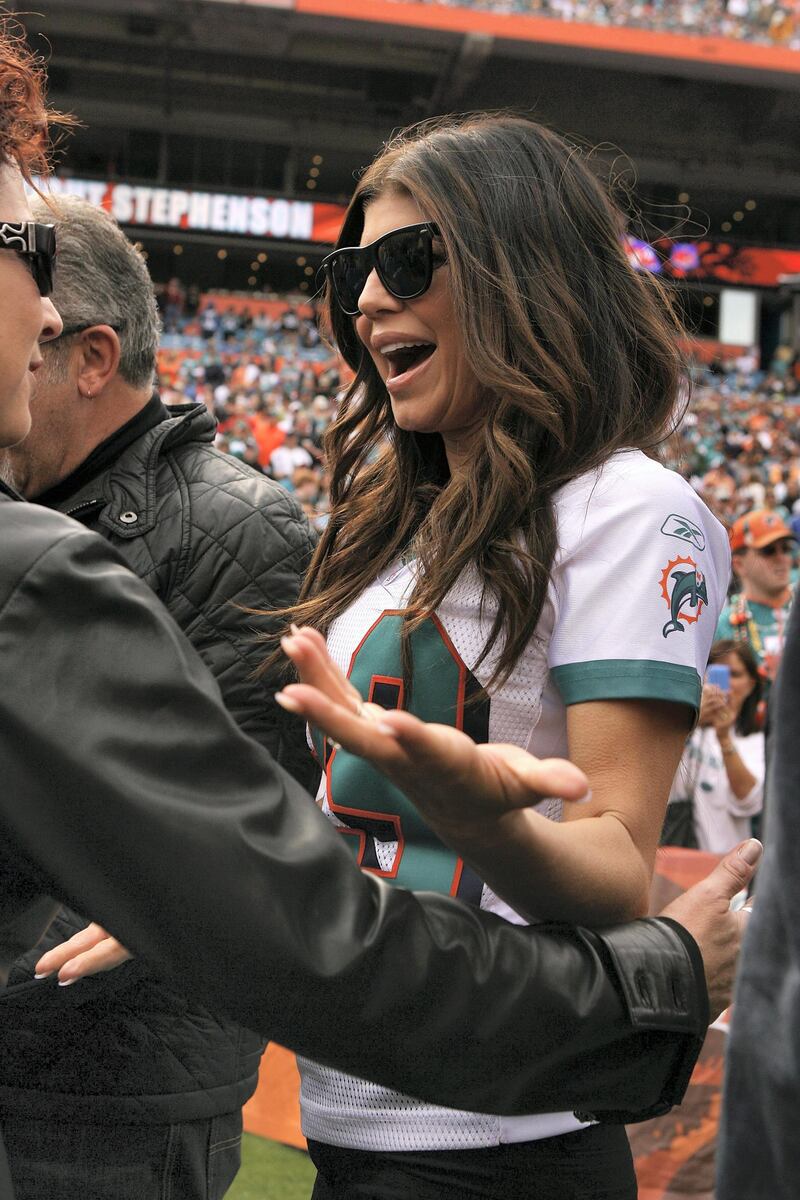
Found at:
<point>762,546</point>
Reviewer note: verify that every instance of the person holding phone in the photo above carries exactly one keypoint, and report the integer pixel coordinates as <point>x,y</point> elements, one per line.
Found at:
<point>720,779</point>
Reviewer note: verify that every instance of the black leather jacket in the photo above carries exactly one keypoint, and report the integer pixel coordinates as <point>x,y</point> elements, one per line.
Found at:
<point>127,791</point>
<point>210,537</point>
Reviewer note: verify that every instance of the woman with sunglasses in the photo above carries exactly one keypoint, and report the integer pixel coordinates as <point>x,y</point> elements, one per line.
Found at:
<point>27,249</point>
<point>507,558</point>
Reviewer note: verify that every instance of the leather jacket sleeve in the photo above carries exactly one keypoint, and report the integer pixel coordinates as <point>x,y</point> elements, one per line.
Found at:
<point>129,793</point>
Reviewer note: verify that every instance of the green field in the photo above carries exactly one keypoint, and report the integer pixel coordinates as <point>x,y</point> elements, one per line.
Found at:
<point>272,1172</point>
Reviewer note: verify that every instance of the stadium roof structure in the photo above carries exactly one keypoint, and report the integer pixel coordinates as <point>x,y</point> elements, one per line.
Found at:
<point>246,95</point>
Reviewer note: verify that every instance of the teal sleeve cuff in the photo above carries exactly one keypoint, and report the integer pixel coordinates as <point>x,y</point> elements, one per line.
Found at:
<point>628,679</point>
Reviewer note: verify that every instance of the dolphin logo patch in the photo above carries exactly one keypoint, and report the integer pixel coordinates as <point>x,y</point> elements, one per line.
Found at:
<point>683,587</point>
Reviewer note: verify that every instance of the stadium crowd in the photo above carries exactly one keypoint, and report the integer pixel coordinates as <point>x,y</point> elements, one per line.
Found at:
<point>739,442</point>
<point>271,380</point>
<point>762,21</point>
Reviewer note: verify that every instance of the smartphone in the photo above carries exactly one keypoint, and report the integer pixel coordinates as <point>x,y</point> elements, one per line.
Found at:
<point>720,676</point>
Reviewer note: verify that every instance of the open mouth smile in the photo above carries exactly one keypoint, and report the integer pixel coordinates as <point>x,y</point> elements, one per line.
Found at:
<point>406,360</point>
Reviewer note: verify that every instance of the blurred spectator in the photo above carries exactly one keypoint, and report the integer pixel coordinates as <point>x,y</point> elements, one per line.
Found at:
<point>268,437</point>
<point>209,321</point>
<point>173,299</point>
<point>229,324</point>
<point>306,486</point>
<point>762,546</point>
<point>719,784</point>
<point>285,460</point>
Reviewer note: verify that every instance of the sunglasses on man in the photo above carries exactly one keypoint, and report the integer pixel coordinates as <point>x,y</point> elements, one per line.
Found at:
<point>36,244</point>
<point>403,259</point>
<point>782,547</point>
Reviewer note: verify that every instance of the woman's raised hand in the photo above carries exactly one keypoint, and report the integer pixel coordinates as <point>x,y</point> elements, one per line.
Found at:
<point>458,786</point>
<point>712,701</point>
<point>715,709</point>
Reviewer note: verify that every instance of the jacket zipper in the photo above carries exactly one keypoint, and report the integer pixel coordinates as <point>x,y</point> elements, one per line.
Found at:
<point>70,512</point>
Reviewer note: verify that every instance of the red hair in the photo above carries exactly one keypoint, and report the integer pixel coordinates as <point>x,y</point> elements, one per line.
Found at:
<point>25,119</point>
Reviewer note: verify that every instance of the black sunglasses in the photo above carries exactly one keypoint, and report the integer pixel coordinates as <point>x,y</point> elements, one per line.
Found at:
<point>781,547</point>
<point>403,258</point>
<point>69,330</point>
<point>36,244</point>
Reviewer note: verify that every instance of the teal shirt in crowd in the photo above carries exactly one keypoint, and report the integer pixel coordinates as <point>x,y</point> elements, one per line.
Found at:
<point>764,627</point>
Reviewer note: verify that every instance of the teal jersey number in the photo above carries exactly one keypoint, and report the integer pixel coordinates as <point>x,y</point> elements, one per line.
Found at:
<point>371,808</point>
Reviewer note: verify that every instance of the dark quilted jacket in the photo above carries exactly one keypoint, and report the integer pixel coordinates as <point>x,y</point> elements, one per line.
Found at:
<point>208,535</point>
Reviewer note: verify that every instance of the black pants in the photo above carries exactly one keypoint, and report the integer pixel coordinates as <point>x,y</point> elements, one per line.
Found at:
<point>590,1164</point>
<point>191,1160</point>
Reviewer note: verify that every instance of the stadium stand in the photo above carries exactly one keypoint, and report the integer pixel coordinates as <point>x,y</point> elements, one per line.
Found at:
<point>749,20</point>
<point>262,368</point>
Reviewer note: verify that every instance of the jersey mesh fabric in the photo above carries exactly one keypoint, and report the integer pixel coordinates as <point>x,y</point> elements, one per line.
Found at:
<point>608,525</point>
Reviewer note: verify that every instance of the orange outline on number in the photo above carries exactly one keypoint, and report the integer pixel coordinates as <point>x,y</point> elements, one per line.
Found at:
<point>393,818</point>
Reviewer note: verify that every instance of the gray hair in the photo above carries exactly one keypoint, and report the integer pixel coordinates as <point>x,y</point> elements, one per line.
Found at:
<point>101,278</point>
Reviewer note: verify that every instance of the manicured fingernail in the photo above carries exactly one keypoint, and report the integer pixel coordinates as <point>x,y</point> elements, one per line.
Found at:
<point>44,975</point>
<point>387,729</point>
<point>738,900</point>
<point>751,851</point>
<point>287,702</point>
<point>293,628</point>
<point>287,644</point>
<point>66,982</point>
<point>586,798</point>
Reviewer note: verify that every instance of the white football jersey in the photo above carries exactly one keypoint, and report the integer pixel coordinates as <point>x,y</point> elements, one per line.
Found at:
<point>637,585</point>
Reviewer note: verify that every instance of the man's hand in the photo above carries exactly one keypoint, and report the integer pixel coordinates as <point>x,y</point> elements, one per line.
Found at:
<point>86,953</point>
<point>706,913</point>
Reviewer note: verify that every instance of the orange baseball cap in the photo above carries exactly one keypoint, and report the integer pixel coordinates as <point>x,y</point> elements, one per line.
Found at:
<point>757,529</point>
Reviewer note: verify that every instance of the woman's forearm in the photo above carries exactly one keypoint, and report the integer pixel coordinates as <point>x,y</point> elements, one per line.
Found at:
<point>741,780</point>
<point>586,871</point>
<point>594,866</point>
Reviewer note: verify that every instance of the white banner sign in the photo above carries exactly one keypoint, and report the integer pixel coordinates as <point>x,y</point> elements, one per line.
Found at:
<point>196,212</point>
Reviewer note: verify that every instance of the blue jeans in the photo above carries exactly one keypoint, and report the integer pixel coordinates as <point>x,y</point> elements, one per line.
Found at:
<point>191,1160</point>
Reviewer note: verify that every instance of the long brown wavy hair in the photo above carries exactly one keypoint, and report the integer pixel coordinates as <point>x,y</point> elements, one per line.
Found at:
<point>576,356</point>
